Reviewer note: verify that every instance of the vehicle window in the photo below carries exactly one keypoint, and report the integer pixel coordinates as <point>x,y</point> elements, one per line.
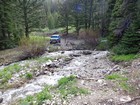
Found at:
<point>54,36</point>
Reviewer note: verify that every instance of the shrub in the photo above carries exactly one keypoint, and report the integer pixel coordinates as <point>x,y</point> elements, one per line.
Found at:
<point>103,45</point>
<point>33,46</point>
<point>29,76</point>
<point>130,44</point>
<point>90,36</point>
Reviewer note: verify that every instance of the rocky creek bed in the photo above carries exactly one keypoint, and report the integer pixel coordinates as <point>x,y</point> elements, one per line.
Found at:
<point>89,67</point>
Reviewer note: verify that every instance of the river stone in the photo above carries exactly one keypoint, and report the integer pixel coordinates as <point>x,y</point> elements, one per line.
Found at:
<point>125,99</point>
<point>86,52</point>
<point>1,100</point>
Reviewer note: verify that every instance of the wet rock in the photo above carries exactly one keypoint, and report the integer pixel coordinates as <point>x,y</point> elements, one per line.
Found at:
<point>53,65</point>
<point>1,100</point>
<point>116,68</point>
<point>0,93</point>
<point>100,81</point>
<point>85,103</point>
<point>104,71</point>
<point>62,52</point>
<point>86,52</point>
<point>47,102</point>
<point>125,99</point>
<point>75,55</point>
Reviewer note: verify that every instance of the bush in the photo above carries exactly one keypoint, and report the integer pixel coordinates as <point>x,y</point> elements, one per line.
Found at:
<point>90,36</point>
<point>33,46</point>
<point>103,45</point>
<point>29,76</point>
<point>130,44</point>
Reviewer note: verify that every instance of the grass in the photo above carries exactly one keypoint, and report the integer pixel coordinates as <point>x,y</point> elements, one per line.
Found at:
<point>7,73</point>
<point>59,30</point>
<point>122,81</point>
<point>125,86</point>
<point>10,55</point>
<point>43,59</point>
<point>116,77</point>
<point>66,86</point>
<point>28,76</point>
<point>120,58</point>
<point>38,98</point>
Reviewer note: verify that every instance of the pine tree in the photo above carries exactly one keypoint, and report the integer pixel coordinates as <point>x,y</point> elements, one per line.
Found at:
<point>129,40</point>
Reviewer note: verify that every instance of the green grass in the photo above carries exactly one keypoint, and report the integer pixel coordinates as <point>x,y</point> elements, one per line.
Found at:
<point>66,81</point>
<point>66,87</point>
<point>120,58</point>
<point>122,81</point>
<point>116,77</point>
<point>28,76</point>
<point>39,38</point>
<point>8,71</point>
<point>43,59</point>
<point>38,98</point>
<point>125,86</point>
<point>60,30</point>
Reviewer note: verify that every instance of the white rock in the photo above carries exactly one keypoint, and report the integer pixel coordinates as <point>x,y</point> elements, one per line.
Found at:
<point>48,102</point>
<point>100,81</point>
<point>0,93</point>
<point>125,98</point>
<point>82,82</point>
<point>139,85</point>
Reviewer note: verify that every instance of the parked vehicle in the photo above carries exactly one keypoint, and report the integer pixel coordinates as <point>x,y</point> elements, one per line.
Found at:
<point>55,39</point>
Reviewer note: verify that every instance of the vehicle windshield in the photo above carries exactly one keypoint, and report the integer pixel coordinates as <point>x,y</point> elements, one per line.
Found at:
<point>54,36</point>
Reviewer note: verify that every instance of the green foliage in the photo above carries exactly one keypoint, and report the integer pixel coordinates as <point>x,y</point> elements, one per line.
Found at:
<point>66,87</point>
<point>130,44</point>
<point>125,86</point>
<point>122,81</point>
<point>119,58</point>
<point>53,20</point>
<point>37,98</point>
<point>116,77</point>
<point>29,76</point>
<point>7,73</point>
<point>103,45</point>
<point>33,47</point>
<point>66,81</point>
<point>125,40</point>
<point>43,59</point>
<point>117,12</point>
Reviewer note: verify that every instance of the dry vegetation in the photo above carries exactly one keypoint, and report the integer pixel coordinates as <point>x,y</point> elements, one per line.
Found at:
<point>91,37</point>
<point>28,48</point>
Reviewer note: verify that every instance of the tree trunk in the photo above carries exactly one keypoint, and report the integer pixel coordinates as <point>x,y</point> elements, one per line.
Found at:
<point>90,13</point>
<point>86,14</point>
<point>25,19</point>
<point>67,24</point>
